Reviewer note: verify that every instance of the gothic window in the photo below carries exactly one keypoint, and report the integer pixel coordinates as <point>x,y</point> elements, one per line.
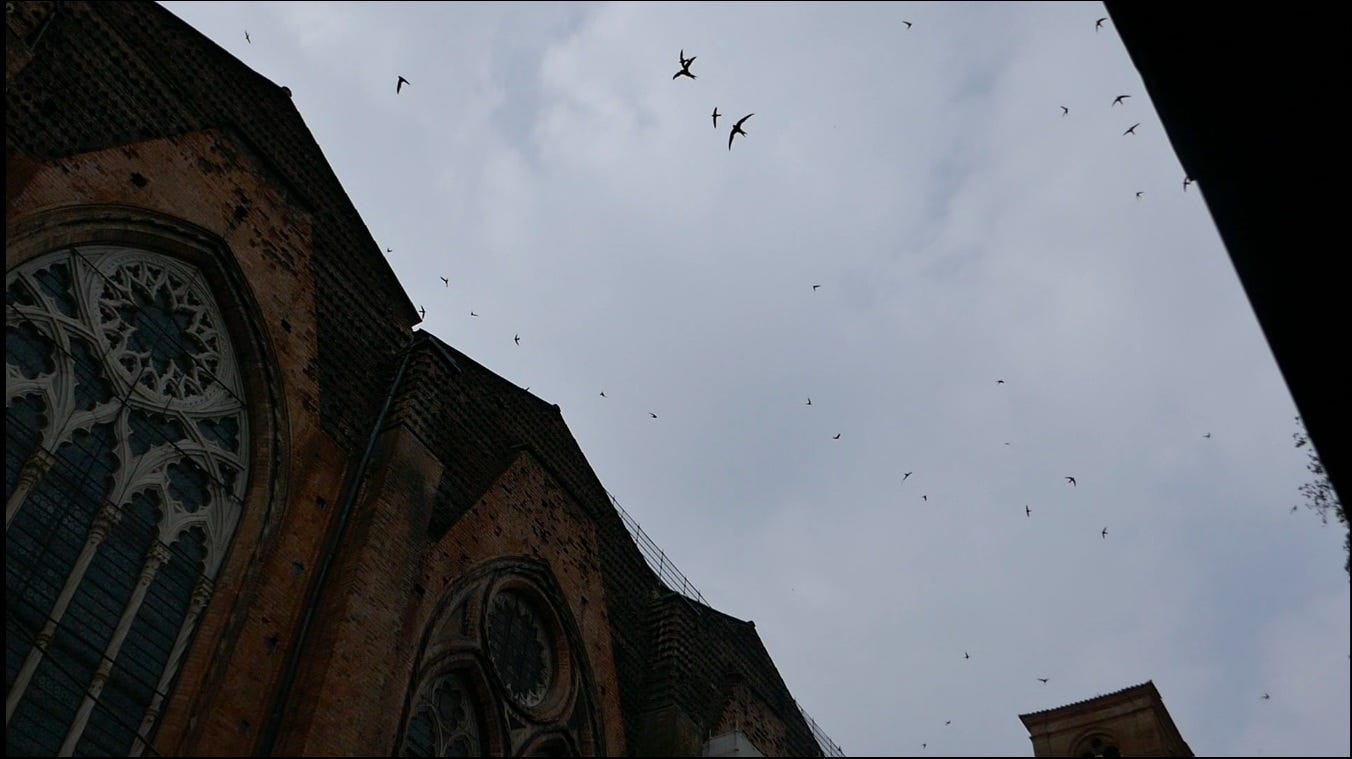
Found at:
<point>445,722</point>
<point>520,648</point>
<point>125,465</point>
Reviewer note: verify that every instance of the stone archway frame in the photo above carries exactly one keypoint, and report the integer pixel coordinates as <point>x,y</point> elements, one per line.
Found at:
<point>265,495</point>
<point>459,632</point>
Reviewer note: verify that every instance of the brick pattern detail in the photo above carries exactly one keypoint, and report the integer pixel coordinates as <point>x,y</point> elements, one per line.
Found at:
<point>714,668</point>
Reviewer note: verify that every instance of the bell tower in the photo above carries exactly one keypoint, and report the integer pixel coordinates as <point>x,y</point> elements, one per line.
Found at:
<point>1130,722</point>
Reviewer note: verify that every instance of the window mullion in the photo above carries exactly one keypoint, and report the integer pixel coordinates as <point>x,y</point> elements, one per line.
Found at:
<point>200,594</point>
<point>107,517</point>
<point>157,558</point>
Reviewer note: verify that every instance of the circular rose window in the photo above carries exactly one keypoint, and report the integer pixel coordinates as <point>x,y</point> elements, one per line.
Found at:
<point>520,648</point>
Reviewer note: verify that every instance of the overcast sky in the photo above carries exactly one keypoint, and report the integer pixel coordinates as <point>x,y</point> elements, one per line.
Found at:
<point>963,231</point>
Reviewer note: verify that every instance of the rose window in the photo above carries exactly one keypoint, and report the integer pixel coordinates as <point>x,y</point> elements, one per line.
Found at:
<point>520,648</point>
<point>158,330</point>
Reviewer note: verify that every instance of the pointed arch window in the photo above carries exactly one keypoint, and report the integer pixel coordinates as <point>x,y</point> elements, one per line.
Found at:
<point>125,465</point>
<point>445,721</point>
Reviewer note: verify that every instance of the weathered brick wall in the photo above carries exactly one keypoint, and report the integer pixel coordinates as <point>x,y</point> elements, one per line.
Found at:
<point>351,686</point>
<point>762,725</point>
<point>475,421</point>
<point>702,659</point>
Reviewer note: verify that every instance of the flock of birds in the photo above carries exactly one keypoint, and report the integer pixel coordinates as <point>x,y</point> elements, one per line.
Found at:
<point>737,128</point>
<point>685,71</point>
<point>401,81</point>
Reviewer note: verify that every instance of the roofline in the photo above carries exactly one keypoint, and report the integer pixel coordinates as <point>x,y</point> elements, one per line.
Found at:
<point>1146,688</point>
<point>383,268</point>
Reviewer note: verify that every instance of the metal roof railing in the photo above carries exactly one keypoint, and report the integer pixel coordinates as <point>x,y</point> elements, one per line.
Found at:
<point>828,746</point>
<point>657,558</point>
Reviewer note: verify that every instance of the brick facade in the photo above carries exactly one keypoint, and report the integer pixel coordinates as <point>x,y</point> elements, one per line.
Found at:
<point>389,474</point>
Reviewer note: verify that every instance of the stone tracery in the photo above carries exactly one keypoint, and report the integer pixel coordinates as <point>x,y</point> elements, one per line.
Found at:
<point>124,417</point>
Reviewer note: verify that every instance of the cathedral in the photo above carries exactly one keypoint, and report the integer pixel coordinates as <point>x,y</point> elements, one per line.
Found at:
<point>252,510</point>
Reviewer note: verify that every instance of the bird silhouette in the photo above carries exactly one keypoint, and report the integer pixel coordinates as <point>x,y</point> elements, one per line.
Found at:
<point>422,312</point>
<point>1042,680</point>
<point>1139,194</point>
<point>1186,181</point>
<point>1118,100</point>
<point>246,37</point>
<point>471,313</point>
<point>716,114</point>
<point>837,437</point>
<point>907,23</point>
<point>446,281</point>
<point>1065,111</point>
<point>814,287</point>
<point>517,339</point>
<point>904,476</point>
<point>1293,509</point>
<point>923,745</point>
<point>652,414</point>
<point>809,402</point>
<point>389,250</point>
<point>1071,480</point>
<point>948,722</point>
<point>685,66</point>
<point>1104,533</point>
<point>1099,24</point>
<point>966,655</point>
<point>1132,130</point>
<point>399,85</point>
<point>1207,435</point>
<point>1266,697</point>
<point>603,393</point>
<point>924,498</point>
<point>999,382</point>
<point>737,129</point>
<point>1027,511</point>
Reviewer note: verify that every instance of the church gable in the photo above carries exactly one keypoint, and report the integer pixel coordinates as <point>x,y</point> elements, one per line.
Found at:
<point>526,513</point>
